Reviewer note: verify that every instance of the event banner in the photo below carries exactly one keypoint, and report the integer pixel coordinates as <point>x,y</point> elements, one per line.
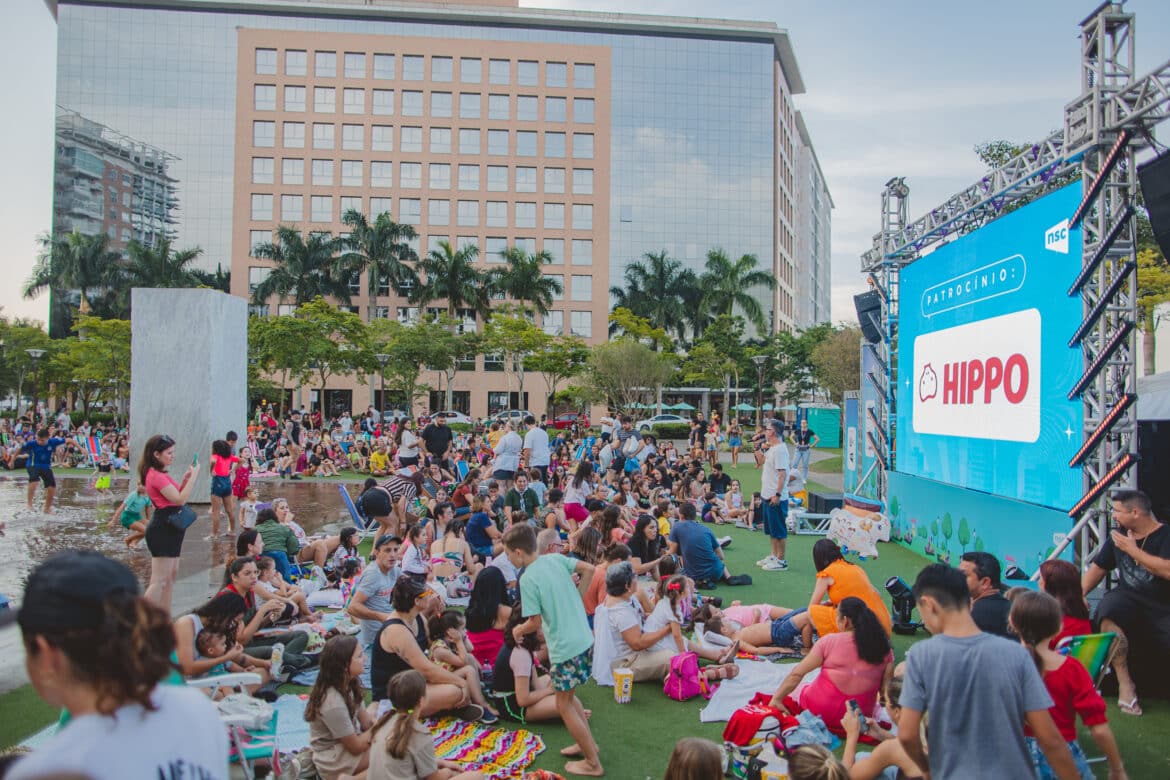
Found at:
<point>984,364</point>
<point>868,407</point>
<point>849,446</point>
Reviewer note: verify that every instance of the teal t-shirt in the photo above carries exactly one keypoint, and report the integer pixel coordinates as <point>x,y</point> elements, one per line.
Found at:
<point>547,589</point>
<point>135,505</point>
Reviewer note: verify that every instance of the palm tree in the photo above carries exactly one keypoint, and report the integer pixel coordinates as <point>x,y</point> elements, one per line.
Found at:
<point>158,266</point>
<point>655,288</point>
<point>74,261</point>
<point>729,284</point>
<point>304,269</point>
<point>379,250</point>
<point>218,279</point>
<point>450,275</point>
<point>524,280</point>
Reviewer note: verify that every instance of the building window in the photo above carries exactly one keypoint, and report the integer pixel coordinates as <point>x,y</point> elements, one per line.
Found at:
<point>500,71</point>
<point>499,107</point>
<point>292,208</point>
<point>325,64</point>
<point>494,248</point>
<point>526,108</point>
<point>554,215</point>
<point>554,109</point>
<point>408,315</point>
<point>323,136</point>
<point>323,172</point>
<point>351,173</point>
<point>355,65</point>
<point>553,323</point>
<point>582,217</point>
<point>581,324</point>
<point>258,238</point>
<point>582,181</point>
<point>412,67</point>
<point>525,143</point>
<point>582,288</point>
<point>257,275</point>
<point>440,140</point>
<point>296,63</point>
<point>468,213</point>
<point>440,176</point>
<point>441,104</point>
<point>583,146</point>
<point>294,99</point>
<point>382,138</point>
<point>292,171</point>
<point>379,206</point>
<point>263,134</point>
<point>469,105</point>
<point>525,245</point>
<point>324,100</point>
<point>525,179</point>
<point>527,73</point>
<point>583,111</point>
<point>383,66</point>
<point>355,101</point>
<point>498,142</point>
<point>383,102</point>
<point>286,309</point>
<point>410,175</point>
<point>266,62</point>
<point>556,74</point>
<point>469,142</point>
<point>468,177</point>
<point>442,69</point>
<point>261,208</point>
<point>321,208</point>
<point>554,180</point>
<point>555,248</point>
<point>496,401</point>
<point>525,215</point>
<point>439,212</point>
<point>263,171</point>
<point>264,97</point>
<point>497,178</point>
<point>381,174</point>
<point>410,139</point>
<point>381,312</point>
<point>583,74</point>
<point>559,279</point>
<point>353,137</point>
<point>347,205</point>
<point>582,251</point>
<point>462,242</point>
<point>412,103</point>
<point>554,145</point>
<point>497,213</point>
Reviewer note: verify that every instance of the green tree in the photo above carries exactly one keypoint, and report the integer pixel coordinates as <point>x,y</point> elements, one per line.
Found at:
<point>1153,289</point>
<point>275,347</point>
<point>524,281</point>
<point>16,366</point>
<point>654,289</point>
<point>305,267</point>
<point>622,321</point>
<point>73,261</point>
<point>449,348</point>
<point>450,275</point>
<point>622,371</point>
<point>836,362</point>
<point>96,367</point>
<point>995,154</point>
<point>559,360</point>
<point>381,250</point>
<point>409,347</point>
<point>731,285</point>
<point>159,266</point>
<point>511,334</point>
<point>336,344</point>
<point>948,528</point>
<point>218,279</point>
<point>964,535</point>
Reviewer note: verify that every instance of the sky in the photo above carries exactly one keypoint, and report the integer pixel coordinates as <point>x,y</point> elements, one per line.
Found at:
<point>898,88</point>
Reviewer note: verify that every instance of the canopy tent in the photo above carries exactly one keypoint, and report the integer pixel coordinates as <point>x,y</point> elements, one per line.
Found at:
<point>744,407</point>
<point>681,406</point>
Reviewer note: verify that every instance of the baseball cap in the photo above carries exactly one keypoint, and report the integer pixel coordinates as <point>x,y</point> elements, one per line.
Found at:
<point>67,590</point>
<point>594,504</point>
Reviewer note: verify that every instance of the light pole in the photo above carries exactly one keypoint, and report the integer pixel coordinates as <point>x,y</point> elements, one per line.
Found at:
<point>382,359</point>
<point>759,360</point>
<point>36,355</point>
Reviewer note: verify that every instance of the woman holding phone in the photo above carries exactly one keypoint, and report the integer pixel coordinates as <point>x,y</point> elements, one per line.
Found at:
<point>171,517</point>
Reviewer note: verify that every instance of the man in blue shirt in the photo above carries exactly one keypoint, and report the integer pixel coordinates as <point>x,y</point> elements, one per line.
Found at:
<point>40,465</point>
<point>700,551</point>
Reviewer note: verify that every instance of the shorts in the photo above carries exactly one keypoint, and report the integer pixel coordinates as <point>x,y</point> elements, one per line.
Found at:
<point>504,475</point>
<point>376,503</point>
<point>572,673</point>
<point>776,519</point>
<point>576,512</point>
<point>221,487</point>
<point>336,760</point>
<point>1044,769</point>
<point>605,437</point>
<point>511,710</point>
<point>44,474</point>
<point>163,539</point>
<point>128,519</point>
<point>102,482</point>
<point>784,633</point>
<point>404,462</point>
<point>734,441</point>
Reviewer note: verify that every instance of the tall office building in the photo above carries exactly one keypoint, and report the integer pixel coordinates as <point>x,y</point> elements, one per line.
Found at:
<point>814,223</point>
<point>596,137</point>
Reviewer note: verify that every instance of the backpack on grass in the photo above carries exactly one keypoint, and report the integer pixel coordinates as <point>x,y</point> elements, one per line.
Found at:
<point>684,681</point>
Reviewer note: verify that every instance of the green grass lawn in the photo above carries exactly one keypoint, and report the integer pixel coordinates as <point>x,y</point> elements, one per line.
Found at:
<point>636,738</point>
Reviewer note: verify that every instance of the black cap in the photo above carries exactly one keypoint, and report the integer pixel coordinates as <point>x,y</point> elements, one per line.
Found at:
<point>67,590</point>
<point>594,504</point>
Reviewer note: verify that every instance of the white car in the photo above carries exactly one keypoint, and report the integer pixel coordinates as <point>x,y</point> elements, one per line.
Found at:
<point>454,417</point>
<point>647,426</point>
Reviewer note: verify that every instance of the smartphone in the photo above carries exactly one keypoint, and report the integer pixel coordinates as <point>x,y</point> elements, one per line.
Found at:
<point>195,460</point>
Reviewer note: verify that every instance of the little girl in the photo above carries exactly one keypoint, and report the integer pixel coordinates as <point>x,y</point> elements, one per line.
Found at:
<point>101,475</point>
<point>416,558</point>
<point>449,650</point>
<point>1036,619</point>
<point>243,478</point>
<point>248,507</point>
<point>133,513</point>
<point>272,583</point>
<point>222,463</point>
<point>347,548</point>
<point>402,747</point>
<point>672,593</point>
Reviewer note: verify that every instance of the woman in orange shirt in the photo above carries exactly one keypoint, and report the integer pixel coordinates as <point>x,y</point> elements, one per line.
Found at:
<point>838,579</point>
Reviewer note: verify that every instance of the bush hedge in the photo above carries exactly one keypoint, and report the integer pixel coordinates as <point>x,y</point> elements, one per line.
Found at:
<point>95,418</point>
<point>671,430</point>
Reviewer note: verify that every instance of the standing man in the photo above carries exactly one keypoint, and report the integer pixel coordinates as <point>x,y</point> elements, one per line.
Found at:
<point>1138,609</point>
<point>438,438</point>
<point>536,454</point>
<point>607,426</point>
<point>989,608</point>
<point>978,689</point>
<point>805,440</point>
<point>774,492</point>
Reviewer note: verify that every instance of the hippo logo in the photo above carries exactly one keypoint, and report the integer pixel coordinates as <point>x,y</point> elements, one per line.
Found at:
<point>927,383</point>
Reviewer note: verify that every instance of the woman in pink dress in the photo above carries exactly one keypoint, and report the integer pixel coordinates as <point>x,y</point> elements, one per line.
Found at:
<point>855,664</point>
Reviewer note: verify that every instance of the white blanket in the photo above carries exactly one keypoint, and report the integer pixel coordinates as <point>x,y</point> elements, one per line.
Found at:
<point>754,677</point>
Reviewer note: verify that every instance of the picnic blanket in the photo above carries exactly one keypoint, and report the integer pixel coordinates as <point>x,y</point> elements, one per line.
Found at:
<point>496,752</point>
<point>737,692</point>
<point>292,731</point>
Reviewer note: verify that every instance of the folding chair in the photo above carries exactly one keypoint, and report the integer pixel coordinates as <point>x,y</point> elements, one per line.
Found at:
<point>354,514</point>
<point>1094,651</point>
<point>250,747</point>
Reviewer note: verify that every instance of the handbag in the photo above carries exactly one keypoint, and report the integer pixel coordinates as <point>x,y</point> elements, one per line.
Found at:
<point>181,517</point>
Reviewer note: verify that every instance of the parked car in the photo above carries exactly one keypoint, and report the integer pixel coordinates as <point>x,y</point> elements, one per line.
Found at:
<point>566,421</point>
<point>454,417</point>
<point>390,415</point>
<point>516,416</point>
<point>647,425</point>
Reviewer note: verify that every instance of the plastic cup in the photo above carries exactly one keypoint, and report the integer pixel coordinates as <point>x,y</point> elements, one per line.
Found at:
<point>623,685</point>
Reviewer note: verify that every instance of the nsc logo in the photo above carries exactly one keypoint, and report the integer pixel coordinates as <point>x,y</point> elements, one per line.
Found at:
<point>1056,237</point>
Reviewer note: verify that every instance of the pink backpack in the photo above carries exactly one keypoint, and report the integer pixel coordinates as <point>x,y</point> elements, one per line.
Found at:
<point>684,681</point>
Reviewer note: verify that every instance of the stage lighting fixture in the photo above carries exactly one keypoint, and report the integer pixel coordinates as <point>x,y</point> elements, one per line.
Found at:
<point>902,601</point>
<point>1102,485</point>
<point>1104,300</point>
<point>877,452</point>
<point>1095,367</point>
<point>1102,428</point>
<point>1090,267</point>
<point>1099,182</point>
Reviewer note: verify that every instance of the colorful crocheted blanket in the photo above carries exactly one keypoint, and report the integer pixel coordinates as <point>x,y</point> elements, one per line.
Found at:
<point>496,752</point>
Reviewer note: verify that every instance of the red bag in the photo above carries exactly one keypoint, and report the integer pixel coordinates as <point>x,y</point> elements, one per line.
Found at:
<point>758,720</point>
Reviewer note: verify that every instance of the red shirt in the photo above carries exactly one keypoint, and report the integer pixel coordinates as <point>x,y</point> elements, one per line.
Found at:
<point>1071,626</point>
<point>155,481</point>
<point>462,496</point>
<point>1073,693</point>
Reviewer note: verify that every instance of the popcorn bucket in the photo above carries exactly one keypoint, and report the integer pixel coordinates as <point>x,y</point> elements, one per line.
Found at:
<point>623,685</point>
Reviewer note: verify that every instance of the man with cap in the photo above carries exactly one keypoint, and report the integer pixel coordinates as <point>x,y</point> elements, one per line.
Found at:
<point>774,492</point>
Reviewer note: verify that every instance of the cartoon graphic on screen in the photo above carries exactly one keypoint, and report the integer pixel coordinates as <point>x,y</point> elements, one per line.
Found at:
<point>927,384</point>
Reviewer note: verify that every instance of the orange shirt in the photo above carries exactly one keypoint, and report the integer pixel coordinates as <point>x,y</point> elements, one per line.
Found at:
<point>849,579</point>
<point>595,593</point>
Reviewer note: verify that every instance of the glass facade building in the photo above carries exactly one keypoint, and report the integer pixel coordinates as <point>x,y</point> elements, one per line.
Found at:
<point>596,137</point>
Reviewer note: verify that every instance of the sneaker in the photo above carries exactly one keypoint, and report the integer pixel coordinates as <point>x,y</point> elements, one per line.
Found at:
<point>765,561</point>
<point>776,566</point>
<point>489,718</point>
<point>742,524</point>
<point>724,541</point>
<point>468,712</point>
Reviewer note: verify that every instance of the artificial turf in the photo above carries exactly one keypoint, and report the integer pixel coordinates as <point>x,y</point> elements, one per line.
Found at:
<point>636,738</point>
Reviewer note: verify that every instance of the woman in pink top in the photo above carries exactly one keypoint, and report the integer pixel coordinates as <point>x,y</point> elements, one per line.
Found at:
<point>168,525</point>
<point>855,664</point>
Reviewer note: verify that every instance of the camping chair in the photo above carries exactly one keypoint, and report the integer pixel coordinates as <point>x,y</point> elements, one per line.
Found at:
<point>250,747</point>
<point>91,446</point>
<point>1095,652</point>
<point>354,514</point>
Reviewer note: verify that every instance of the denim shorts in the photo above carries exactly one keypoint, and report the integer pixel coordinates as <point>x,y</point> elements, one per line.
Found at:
<point>776,519</point>
<point>1044,770</point>
<point>784,633</point>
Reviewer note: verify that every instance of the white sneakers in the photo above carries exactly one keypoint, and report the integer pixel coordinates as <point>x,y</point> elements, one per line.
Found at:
<point>772,563</point>
<point>768,559</point>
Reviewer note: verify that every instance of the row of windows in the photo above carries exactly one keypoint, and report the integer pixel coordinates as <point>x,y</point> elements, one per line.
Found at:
<point>321,209</point>
<point>410,139</point>
<point>442,104</point>
<point>356,65</point>
<point>323,172</point>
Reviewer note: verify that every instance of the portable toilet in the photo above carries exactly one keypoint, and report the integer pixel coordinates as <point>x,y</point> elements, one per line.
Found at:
<point>825,421</point>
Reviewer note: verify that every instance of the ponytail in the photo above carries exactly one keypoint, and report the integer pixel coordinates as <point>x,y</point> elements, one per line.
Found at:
<point>672,589</point>
<point>873,644</point>
<point>406,690</point>
<point>1036,618</point>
